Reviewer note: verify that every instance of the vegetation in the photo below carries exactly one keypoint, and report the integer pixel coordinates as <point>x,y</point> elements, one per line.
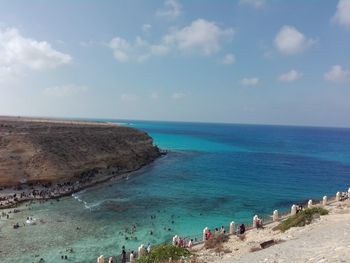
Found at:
<point>162,253</point>
<point>302,218</point>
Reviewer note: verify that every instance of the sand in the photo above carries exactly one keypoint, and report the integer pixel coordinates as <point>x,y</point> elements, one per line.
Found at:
<point>326,239</point>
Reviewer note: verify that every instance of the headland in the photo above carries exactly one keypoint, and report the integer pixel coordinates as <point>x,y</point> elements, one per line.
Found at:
<point>49,158</point>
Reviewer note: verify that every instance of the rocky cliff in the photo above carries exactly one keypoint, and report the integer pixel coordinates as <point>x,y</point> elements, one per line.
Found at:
<point>34,150</point>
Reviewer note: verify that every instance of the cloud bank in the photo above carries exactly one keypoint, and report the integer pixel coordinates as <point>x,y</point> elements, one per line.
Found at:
<point>201,37</point>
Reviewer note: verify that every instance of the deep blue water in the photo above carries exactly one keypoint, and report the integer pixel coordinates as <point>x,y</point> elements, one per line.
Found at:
<point>266,166</point>
<point>213,174</point>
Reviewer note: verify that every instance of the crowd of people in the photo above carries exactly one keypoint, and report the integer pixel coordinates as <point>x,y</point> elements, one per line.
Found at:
<point>182,242</point>
<point>43,192</point>
<point>46,191</point>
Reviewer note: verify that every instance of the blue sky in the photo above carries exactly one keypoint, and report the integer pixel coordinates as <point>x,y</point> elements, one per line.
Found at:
<point>244,61</point>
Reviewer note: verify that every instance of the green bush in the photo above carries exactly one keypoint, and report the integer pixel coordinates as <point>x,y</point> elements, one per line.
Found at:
<point>302,218</point>
<point>162,253</point>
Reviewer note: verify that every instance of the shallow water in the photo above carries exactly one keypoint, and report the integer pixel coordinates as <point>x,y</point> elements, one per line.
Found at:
<point>214,174</point>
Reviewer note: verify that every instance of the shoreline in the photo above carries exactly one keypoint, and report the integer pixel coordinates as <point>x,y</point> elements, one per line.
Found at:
<point>45,159</point>
<point>11,197</point>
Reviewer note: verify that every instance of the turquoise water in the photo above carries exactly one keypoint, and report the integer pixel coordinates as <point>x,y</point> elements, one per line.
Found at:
<point>213,174</point>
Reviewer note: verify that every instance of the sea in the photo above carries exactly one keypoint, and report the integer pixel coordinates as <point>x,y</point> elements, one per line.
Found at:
<point>211,175</point>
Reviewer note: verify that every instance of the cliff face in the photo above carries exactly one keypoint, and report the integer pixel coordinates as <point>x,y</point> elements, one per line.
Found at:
<point>53,151</point>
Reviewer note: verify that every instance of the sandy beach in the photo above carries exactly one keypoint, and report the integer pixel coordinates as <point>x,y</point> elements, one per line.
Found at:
<point>326,239</point>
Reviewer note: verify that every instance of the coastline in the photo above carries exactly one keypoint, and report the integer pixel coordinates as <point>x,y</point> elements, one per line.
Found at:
<point>92,210</point>
<point>10,197</point>
<point>43,159</point>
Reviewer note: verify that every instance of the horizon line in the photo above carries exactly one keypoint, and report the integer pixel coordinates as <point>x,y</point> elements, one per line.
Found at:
<point>174,121</point>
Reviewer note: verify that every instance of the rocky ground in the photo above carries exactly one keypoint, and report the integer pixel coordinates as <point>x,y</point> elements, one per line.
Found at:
<point>46,158</point>
<point>327,239</point>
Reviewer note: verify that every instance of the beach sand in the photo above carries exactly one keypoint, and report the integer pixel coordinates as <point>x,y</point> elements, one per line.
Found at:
<point>327,239</point>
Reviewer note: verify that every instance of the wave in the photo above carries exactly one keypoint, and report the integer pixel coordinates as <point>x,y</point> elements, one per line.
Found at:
<point>97,204</point>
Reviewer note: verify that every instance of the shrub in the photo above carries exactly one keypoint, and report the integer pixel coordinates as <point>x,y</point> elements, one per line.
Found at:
<point>302,218</point>
<point>162,253</point>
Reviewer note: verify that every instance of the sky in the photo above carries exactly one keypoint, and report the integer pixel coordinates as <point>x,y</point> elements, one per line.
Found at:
<point>243,61</point>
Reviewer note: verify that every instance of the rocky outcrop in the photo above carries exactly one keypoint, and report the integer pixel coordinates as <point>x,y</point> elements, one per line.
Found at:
<point>33,150</point>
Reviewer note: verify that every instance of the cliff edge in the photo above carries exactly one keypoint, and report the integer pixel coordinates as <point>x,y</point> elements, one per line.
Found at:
<point>38,150</point>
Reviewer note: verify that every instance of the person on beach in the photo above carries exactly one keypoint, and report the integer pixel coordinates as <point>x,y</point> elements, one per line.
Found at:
<point>208,235</point>
<point>258,223</point>
<point>132,256</point>
<point>222,230</point>
<point>241,229</point>
<point>181,242</point>
<point>299,208</point>
<point>123,255</point>
<point>149,248</point>
<point>190,244</point>
<point>216,233</point>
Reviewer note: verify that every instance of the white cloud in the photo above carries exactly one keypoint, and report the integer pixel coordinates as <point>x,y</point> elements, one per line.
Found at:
<point>290,41</point>
<point>146,28</point>
<point>254,3</point>
<point>65,90</point>
<point>178,95</point>
<point>290,76</point>
<point>249,81</point>
<point>18,53</point>
<point>342,15</point>
<point>128,97</point>
<point>337,75</point>
<point>122,50</point>
<point>229,59</point>
<point>201,36</point>
<point>139,51</point>
<point>171,10</point>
